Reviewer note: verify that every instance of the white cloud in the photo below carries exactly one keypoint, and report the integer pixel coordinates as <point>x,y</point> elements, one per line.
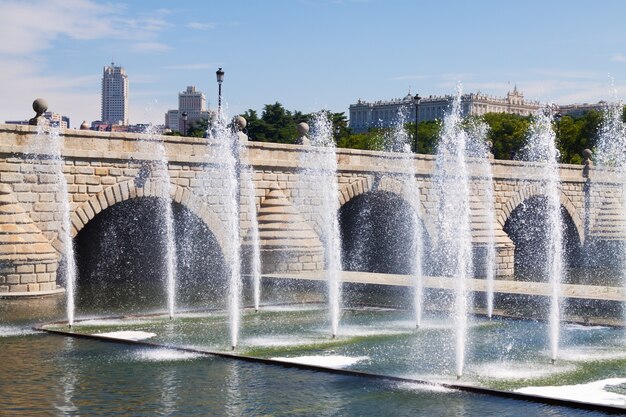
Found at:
<point>150,47</point>
<point>618,58</point>
<point>201,26</point>
<point>22,84</point>
<point>30,27</point>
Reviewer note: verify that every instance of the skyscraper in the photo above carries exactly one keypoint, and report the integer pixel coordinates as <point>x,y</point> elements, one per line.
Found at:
<point>114,95</point>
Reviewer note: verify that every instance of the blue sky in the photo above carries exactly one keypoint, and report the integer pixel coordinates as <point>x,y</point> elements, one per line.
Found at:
<point>306,54</point>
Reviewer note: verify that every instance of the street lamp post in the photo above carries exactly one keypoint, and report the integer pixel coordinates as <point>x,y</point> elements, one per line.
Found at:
<point>416,100</point>
<point>185,123</point>
<point>220,78</point>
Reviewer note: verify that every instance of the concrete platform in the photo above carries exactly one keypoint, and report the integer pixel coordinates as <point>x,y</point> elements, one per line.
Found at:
<point>589,292</point>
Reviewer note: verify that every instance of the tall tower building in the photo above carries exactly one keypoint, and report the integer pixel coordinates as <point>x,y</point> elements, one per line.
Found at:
<point>115,95</point>
<point>191,102</point>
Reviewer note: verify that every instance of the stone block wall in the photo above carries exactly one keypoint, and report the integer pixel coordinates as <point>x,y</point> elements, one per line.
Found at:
<point>103,169</point>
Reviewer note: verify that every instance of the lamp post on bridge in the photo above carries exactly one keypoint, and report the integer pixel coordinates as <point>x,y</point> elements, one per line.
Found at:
<point>220,79</point>
<point>416,100</point>
<point>185,123</point>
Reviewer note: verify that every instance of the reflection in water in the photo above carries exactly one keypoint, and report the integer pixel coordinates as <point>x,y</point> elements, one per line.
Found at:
<point>169,391</point>
<point>233,393</point>
<point>59,376</point>
<point>68,382</point>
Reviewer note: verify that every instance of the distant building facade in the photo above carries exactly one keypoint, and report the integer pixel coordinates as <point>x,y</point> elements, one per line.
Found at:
<point>193,103</point>
<point>101,126</point>
<point>365,115</point>
<point>581,108</point>
<point>54,119</point>
<point>114,95</point>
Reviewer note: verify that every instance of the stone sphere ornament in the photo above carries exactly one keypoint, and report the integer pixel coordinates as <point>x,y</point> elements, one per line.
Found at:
<point>40,105</point>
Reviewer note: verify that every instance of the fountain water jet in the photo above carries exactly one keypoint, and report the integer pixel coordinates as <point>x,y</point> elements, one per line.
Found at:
<point>323,173</point>
<point>170,239</point>
<point>478,148</point>
<point>611,153</point>
<point>255,264</point>
<point>541,148</point>
<point>224,147</point>
<point>455,239</point>
<point>48,140</point>
<point>399,142</point>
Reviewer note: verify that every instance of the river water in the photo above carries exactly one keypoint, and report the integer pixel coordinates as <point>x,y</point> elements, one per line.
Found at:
<point>42,375</point>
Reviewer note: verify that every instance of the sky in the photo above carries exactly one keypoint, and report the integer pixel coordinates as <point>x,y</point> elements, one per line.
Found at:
<point>306,54</point>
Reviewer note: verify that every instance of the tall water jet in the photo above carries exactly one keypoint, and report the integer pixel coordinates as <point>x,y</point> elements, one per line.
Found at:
<point>168,221</point>
<point>49,140</point>
<point>224,149</point>
<point>611,155</point>
<point>255,264</point>
<point>541,148</point>
<point>322,175</point>
<point>479,149</point>
<point>398,141</point>
<point>455,239</point>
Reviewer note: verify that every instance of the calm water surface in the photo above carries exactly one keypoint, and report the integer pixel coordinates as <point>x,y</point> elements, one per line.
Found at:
<point>48,375</point>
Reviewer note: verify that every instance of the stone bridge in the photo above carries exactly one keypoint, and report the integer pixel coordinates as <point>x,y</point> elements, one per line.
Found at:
<point>105,169</point>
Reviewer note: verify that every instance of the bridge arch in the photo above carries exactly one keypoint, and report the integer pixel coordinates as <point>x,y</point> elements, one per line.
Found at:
<point>121,251</point>
<point>536,190</point>
<point>127,190</point>
<point>527,225</point>
<point>386,184</point>
<point>378,227</point>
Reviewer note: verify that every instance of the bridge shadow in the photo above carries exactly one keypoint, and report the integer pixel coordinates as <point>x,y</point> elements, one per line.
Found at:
<point>121,259</point>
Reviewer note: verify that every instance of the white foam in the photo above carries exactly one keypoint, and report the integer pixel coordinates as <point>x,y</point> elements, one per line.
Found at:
<point>165,355</point>
<point>278,341</point>
<point>592,392</point>
<point>112,322</point>
<point>291,308</point>
<point>513,371</point>
<point>423,387</point>
<point>582,327</point>
<point>332,361</point>
<point>11,331</point>
<point>134,335</point>
<point>355,331</point>
<point>590,354</point>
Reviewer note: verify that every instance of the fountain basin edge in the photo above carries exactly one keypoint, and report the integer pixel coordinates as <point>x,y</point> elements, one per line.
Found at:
<point>609,409</point>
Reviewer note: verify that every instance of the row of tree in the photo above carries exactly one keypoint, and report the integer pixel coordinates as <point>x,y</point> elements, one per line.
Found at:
<point>507,132</point>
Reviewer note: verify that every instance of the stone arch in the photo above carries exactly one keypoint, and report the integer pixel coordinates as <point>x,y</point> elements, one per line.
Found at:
<point>126,190</point>
<point>389,184</point>
<point>537,190</point>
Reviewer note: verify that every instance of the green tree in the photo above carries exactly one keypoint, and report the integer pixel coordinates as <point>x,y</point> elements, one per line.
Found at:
<point>575,133</point>
<point>275,125</point>
<point>427,135</point>
<point>507,133</point>
<point>371,140</point>
<point>198,128</point>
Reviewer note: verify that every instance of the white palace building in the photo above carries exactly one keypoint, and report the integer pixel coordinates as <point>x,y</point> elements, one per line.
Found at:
<point>365,115</point>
